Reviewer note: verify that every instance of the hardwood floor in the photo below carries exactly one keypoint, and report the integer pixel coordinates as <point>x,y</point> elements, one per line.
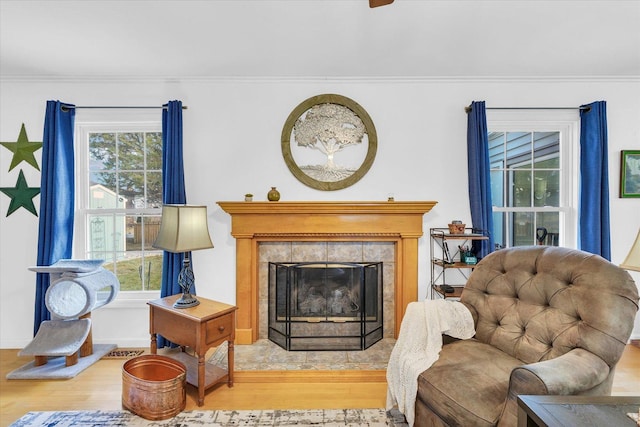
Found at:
<point>100,387</point>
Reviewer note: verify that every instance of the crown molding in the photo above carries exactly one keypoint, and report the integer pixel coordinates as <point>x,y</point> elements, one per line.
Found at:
<point>318,79</point>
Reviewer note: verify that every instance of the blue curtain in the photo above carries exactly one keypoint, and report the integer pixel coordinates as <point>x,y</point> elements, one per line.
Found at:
<point>594,233</point>
<point>173,192</point>
<point>57,195</point>
<point>479,176</point>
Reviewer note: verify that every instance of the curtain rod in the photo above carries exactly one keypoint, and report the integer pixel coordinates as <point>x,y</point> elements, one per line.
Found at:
<point>68,107</point>
<point>467,109</point>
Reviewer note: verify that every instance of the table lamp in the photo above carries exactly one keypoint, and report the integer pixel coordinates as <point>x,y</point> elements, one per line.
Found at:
<point>184,229</point>
<point>632,261</point>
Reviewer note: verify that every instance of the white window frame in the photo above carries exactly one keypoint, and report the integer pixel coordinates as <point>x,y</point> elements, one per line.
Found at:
<point>567,124</point>
<point>81,235</point>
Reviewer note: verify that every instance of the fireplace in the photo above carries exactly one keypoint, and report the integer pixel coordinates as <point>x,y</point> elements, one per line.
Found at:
<point>325,306</point>
<point>254,224</point>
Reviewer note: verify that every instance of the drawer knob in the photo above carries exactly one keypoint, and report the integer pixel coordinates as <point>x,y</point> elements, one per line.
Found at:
<point>221,328</point>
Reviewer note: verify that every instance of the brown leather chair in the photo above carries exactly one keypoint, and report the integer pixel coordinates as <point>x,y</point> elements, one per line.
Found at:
<point>549,321</point>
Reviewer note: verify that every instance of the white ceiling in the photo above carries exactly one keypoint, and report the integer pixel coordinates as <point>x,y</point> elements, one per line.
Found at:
<point>318,38</point>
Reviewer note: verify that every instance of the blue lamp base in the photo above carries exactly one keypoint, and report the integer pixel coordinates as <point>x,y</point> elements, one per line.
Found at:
<point>186,281</point>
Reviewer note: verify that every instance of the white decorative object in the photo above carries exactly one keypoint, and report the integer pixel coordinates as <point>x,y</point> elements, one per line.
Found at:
<point>76,288</point>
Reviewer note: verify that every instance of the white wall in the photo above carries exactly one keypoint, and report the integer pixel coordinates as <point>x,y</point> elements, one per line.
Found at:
<point>232,146</point>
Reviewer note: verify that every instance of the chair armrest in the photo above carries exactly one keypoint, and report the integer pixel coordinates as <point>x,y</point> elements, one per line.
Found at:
<point>572,373</point>
<point>473,311</point>
<point>447,339</point>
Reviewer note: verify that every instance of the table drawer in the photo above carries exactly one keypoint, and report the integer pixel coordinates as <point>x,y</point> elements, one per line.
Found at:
<point>219,328</point>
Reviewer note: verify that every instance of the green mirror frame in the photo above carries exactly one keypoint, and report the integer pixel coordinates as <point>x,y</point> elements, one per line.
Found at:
<point>302,108</point>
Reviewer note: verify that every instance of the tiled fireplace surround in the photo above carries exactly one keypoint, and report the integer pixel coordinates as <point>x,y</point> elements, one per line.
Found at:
<point>319,231</point>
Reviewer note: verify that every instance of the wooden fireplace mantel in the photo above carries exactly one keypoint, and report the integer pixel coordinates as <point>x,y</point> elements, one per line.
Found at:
<point>255,222</point>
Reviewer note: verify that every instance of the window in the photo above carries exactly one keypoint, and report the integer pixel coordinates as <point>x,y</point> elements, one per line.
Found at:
<point>533,181</point>
<point>119,194</point>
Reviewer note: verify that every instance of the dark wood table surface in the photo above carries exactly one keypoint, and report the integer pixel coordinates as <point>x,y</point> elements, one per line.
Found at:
<point>583,411</point>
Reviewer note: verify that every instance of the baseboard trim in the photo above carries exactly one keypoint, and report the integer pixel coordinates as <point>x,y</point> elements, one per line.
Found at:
<point>337,376</point>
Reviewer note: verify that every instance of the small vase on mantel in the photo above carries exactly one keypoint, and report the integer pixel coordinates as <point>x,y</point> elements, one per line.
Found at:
<point>273,195</point>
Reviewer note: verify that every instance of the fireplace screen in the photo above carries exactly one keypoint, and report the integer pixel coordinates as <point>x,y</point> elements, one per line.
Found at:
<point>325,306</point>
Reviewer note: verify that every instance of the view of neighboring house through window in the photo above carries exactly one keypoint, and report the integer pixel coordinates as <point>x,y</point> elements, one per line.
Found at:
<point>525,185</point>
<point>533,157</point>
<point>122,202</point>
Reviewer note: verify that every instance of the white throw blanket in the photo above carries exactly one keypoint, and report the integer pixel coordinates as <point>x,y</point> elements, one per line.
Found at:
<point>418,347</point>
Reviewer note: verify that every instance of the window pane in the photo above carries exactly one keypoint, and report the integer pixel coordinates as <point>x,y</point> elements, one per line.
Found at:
<point>140,271</point>
<point>549,162</point>
<point>129,272</point>
<point>522,229</point>
<point>499,230</point>
<point>131,151</point>
<point>153,271</point>
<point>548,228</point>
<point>107,233</point>
<point>131,185</point>
<point>136,271</point>
<point>154,190</point>
<point>142,232</point>
<point>496,150</point>
<point>546,145</point>
<point>152,267</point>
<point>103,197</point>
<point>142,268</point>
<point>97,234</point>
<point>518,149</point>
<point>497,188</point>
<point>151,227</point>
<point>546,188</point>
<point>154,150</point>
<point>102,151</point>
<point>520,189</point>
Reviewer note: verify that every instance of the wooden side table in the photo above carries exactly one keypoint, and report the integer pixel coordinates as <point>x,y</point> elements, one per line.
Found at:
<point>584,411</point>
<point>201,327</point>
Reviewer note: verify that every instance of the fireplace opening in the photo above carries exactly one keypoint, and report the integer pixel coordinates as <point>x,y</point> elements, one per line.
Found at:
<point>315,306</point>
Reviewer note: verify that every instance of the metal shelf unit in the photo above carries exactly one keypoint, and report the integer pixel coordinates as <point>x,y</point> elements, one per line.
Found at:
<point>447,268</point>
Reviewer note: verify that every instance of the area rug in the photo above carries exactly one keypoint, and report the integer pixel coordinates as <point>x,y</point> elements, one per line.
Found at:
<point>120,353</point>
<point>55,368</point>
<point>257,418</point>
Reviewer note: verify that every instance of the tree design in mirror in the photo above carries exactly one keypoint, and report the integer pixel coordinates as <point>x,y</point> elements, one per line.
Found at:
<point>329,142</point>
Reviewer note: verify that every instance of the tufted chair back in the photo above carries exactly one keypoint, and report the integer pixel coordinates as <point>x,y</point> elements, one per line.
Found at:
<point>537,303</point>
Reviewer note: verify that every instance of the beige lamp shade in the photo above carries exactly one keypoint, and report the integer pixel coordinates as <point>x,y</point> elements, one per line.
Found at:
<point>183,228</point>
<point>632,261</point>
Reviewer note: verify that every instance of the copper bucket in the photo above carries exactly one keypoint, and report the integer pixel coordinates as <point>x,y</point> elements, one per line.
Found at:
<point>153,386</point>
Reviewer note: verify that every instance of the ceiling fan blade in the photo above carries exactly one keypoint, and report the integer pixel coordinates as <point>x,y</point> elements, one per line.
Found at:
<point>376,3</point>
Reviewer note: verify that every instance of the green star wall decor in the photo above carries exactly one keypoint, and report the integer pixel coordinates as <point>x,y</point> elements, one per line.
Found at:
<point>23,150</point>
<point>21,195</point>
